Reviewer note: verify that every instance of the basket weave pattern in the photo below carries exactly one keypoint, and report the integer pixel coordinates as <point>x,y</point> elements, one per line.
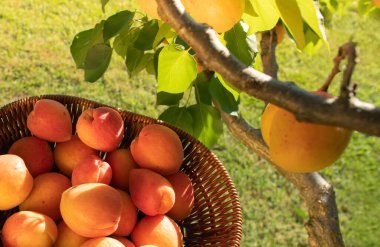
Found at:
<point>216,219</point>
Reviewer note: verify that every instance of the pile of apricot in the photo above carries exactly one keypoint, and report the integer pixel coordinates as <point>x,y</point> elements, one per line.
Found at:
<point>69,195</point>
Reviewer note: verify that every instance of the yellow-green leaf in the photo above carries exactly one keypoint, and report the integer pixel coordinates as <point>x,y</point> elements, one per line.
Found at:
<point>291,15</point>
<point>264,17</point>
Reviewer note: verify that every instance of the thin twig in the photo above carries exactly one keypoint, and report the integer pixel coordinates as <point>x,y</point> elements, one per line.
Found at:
<point>349,49</point>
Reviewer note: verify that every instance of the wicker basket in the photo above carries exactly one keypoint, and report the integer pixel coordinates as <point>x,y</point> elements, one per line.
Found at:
<point>216,219</point>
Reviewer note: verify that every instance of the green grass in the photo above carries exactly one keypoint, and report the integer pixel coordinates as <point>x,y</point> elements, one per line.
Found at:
<point>35,36</point>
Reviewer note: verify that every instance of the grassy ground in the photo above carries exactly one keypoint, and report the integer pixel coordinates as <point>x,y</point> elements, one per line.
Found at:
<point>34,59</point>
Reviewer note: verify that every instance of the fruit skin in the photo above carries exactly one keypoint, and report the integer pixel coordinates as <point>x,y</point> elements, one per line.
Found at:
<point>101,128</point>
<point>66,237</point>
<point>303,147</point>
<point>157,230</point>
<point>91,169</point>
<point>46,195</point>
<point>68,154</point>
<point>266,121</point>
<point>128,217</point>
<point>184,196</point>
<point>124,241</point>
<point>102,242</point>
<point>36,153</point>
<point>121,162</point>
<point>16,182</point>
<point>27,228</point>
<point>222,15</point>
<point>149,7</point>
<point>158,148</point>
<point>91,210</point>
<point>151,193</point>
<point>50,121</point>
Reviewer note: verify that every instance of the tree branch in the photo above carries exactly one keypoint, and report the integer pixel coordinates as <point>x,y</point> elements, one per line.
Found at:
<point>352,114</point>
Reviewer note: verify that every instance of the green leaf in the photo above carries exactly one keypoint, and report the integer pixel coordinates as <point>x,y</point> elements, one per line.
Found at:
<point>136,60</point>
<point>249,8</point>
<point>207,123</point>
<point>291,16</point>
<point>177,69</point>
<point>164,31</point>
<point>147,35</point>
<point>202,92</point>
<point>104,2</point>
<point>164,98</point>
<point>313,41</point>
<point>125,39</point>
<point>226,85</point>
<point>116,23</point>
<point>179,117</point>
<point>312,17</point>
<point>240,45</point>
<point>224,98</point>
<point>265,16</point>
<point>83,42</point>
<point>97,60</point>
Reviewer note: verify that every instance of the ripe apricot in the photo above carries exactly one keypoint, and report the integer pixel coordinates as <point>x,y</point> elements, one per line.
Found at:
<point>184,196</point>
<point>68,154</point>
<point>121,162</point>
<point>158,148</point>
<point>16,182</point>
<point>149,7</point>
<point>266,121</point>
<point>124,241</point>
<point>27,228</point>
<point>91,169</point>
<point>151,193</point>
<point>46,194</point>
<point>304,147</point>
<point>36,153</point>
<point>128,217</point>
<point>67,237</point>
<point>102,242</point>
<point>157,230</point>
<point>50,120</point>
<point>91,210</point>
<point>101,128</point>
<point>222,15</point>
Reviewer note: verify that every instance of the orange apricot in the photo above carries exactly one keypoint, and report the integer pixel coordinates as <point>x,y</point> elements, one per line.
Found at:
<point>151,193</point>
<point>102,242</point>
<point>50,120</point>
<point>68,154</point>
<point>157,230</point>
<point>91,210</point>
<point>184,196</point>
<point>121,162</point>
<point>67,237</point>
<point>128,217</point>
<point>124,241</point>
<point>36,153</point>
<point>16,182</point>
<point>101,128</point>
<point>46,194</point>
<point>158,148</point>
<point>91,169</point>
<point>27,228</point>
